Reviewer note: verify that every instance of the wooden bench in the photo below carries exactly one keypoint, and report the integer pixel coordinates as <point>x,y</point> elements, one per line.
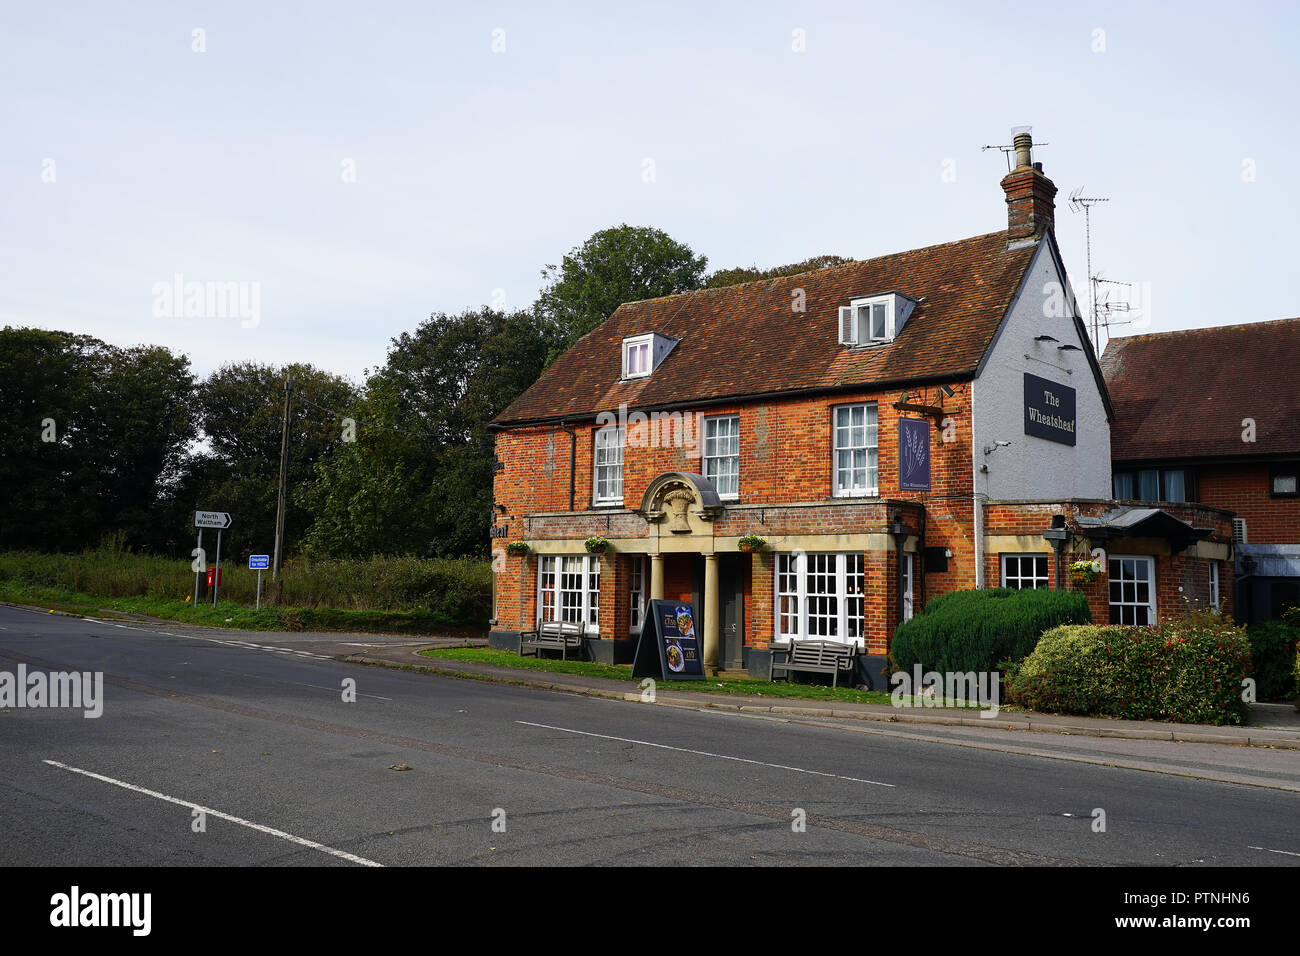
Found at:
<point>819,657</point>
<point>554,636</point>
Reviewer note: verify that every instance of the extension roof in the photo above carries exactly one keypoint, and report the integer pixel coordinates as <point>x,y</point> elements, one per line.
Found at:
<point>1184,395</point>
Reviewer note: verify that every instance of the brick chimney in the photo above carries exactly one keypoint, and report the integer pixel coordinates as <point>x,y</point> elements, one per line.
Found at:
<point>1031,209</point>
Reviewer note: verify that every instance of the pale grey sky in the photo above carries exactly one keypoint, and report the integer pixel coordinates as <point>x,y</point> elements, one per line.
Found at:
<point>130,157</point>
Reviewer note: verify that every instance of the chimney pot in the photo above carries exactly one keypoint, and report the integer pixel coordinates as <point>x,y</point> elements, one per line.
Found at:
<point>1031,207</point>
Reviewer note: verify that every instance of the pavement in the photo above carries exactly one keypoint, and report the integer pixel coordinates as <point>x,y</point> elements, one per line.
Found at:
<point>1272,725</point>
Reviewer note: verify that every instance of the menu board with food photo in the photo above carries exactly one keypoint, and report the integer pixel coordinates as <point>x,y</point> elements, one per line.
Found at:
<point>670,649</point>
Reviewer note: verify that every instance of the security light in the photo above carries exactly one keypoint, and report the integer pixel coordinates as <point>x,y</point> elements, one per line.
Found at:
<point>1046,338</point>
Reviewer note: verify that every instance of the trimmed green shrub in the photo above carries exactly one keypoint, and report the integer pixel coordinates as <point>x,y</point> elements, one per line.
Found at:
<point>1186,671</point>
<point>1273,652</point>
<point>979,630</point>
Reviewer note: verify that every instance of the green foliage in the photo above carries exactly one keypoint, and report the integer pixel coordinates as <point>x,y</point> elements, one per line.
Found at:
<point>1273,647</point>
<point>621,264</point>
<point>418,479</point>
<point>725,277</point>
<point>978,630</point>
<point>1185,671</point>
<point>121,419</point>
<point>453,590</point>
<point>242,416</point>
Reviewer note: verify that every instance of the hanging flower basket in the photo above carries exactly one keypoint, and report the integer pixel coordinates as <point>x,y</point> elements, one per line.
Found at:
<point>752,543</point>
<point>1085,572</point>
<point>518,548</point>
<point>596,545</point>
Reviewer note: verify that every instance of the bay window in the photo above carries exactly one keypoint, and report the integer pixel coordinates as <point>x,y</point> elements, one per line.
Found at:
<point>568,589</point>
<point>820,596</point>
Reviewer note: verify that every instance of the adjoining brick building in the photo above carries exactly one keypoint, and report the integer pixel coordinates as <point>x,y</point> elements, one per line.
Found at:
<point>1223,435</point>
<point>893,428</point>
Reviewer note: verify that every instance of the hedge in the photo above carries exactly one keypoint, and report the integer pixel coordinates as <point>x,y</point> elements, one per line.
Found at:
<point>978,630</point>
<point>1185,671</point>
<point>1273,652</point>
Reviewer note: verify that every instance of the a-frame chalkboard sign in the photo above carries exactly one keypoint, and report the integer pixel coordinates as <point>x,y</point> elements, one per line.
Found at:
<point>669,647</point>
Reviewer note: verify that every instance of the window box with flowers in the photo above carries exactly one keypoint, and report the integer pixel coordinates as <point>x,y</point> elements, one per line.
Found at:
<point>751,543</point>
<point>1085,572</point>
<point>597,545</point>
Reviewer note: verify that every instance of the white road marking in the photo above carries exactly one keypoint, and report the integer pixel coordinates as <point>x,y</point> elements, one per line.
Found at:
<point>312,844</point>
<point>298,683</point>
<point>705,753</point>
<point>1267,850</point>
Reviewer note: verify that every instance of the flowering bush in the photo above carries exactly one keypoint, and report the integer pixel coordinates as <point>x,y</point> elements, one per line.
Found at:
<point>1187,671</point>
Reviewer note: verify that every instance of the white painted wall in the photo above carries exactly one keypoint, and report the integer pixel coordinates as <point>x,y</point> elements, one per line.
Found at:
<point>1035,467</point>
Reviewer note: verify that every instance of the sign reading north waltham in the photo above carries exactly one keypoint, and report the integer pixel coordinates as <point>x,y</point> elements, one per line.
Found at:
<point>1049,410</point>
<point>212,519</point>
<point>913,454</point>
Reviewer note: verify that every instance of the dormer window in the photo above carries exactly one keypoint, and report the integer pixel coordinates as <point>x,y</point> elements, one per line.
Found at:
<point>643,353</point>
<point>874,320</point>
<point>636,356</point>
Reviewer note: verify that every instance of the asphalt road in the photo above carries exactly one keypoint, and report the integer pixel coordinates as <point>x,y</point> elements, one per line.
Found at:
<point>258,744</point>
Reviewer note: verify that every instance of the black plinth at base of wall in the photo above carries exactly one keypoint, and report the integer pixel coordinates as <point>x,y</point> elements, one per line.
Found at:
<point>757,661</point>
<point>873,672</point>
<point>504,640</point>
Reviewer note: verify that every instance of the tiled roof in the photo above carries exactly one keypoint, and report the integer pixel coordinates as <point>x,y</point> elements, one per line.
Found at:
<point>746,339</point>
<point>1185,394</point>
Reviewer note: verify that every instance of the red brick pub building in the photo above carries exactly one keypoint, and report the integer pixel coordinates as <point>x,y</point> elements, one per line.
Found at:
<point>892,428</point>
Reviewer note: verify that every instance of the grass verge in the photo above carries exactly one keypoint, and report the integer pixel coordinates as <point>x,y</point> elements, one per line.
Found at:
<point>230,614</point>
<point>742,686</point>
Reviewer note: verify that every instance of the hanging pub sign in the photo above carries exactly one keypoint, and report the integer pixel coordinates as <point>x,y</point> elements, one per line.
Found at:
<point>669,647</point>
<point>914,454</point>
<point>1049,410</point>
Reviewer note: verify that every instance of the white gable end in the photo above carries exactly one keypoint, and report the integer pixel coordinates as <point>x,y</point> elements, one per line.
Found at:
<point>1036,368</point>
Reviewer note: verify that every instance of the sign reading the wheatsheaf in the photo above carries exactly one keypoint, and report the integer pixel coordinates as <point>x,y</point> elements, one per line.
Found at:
<point>1049,410</point>
<point>913,454</point>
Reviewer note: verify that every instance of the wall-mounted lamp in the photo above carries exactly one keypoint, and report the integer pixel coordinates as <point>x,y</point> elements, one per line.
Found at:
<point>1068,348</point>
<point>1046,338</point>
<point>990,449</point>
<point>947,391</point>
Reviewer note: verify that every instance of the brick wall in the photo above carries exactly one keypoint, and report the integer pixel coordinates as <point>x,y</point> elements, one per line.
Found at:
<point>1245,488</point>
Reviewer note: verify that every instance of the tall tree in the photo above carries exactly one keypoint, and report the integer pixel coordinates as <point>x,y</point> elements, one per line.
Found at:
<point>418,479</point>
<point>621,264</point>
<point>241,416</point>
<point>89,433</point>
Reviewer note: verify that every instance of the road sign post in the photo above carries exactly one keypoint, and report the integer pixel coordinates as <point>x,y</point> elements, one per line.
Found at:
<point>216,580</point>
<point>259,563</point>
<point>211,519</point>
<point>198,559</point>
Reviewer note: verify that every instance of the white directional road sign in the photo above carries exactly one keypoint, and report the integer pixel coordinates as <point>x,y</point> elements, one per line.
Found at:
<point>212,519</point>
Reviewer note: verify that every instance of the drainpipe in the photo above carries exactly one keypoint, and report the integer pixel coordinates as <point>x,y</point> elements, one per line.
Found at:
<point>573,458</point>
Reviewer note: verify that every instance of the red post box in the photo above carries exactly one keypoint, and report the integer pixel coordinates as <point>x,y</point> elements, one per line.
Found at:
<point>214,577</point>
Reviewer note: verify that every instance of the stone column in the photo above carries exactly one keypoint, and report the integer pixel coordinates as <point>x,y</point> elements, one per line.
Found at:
<point>711,635</point>
<point>656,577</point>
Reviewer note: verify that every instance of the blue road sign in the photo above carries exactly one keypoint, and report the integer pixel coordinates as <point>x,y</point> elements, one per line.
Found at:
<point>259,562</point>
